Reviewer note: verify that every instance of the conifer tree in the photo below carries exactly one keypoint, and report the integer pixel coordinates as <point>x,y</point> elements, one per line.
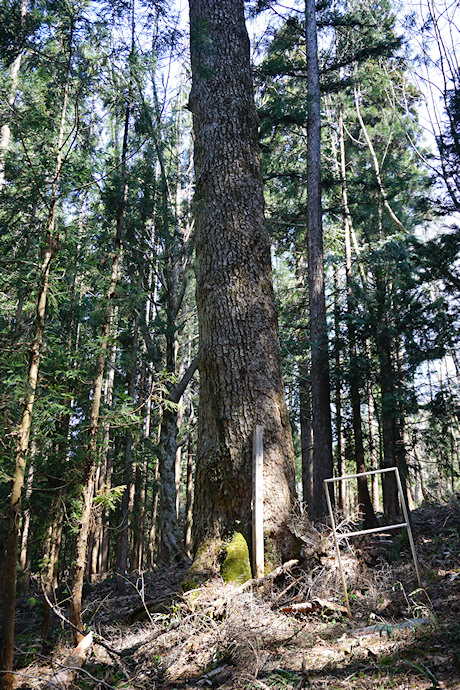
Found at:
<point>239,360</point>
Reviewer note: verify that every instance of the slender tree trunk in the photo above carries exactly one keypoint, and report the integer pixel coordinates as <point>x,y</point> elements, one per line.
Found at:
<point>375,163</point>
<point>95,539</point>
<point>127,503</point>
<point>176,272</point>
<point>14,512</point>
<point>389,430</point>
<point>142,469</point>
<point>24,552</point>
<point>320,384</point>
<point>240,366</point>
<point>188,498</point>
<point>340,450</point>
<point>401,423</point>
<point>306,434</point>
<point>178,463</point>
<point>171,538</point>
<point>23,430</point>
<point>89,469</point>
<point>304,385</point>
<point>154,515</point>
<point>354,370</point>
<point>127,506</point>
<point>373,447</point>
<point>51,556</point>
<point>104,549</point>
<point>139,527</point>
<point>106,456</point>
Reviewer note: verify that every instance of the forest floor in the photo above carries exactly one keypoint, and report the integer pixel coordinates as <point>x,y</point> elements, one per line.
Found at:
<point>399,636</point>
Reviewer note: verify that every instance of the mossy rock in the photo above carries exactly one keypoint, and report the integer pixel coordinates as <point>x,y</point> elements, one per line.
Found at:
<point>236,567</point>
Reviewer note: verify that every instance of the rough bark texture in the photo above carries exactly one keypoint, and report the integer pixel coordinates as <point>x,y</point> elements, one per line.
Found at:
<point>320,384</point>
<point>240,372</point>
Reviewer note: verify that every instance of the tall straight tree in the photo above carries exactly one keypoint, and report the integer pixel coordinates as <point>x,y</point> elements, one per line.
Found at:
<point>91,454</point>
<point>239,356</point>
<point>22,432</point>
<point>320,384</point>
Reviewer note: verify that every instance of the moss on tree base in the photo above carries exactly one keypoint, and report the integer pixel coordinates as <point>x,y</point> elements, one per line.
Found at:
<point>236,567</point>
<point>204,566</point>
<point>233,555</point>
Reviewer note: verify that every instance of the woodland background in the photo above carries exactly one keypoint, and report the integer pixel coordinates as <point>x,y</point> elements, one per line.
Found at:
<point>96,208</point>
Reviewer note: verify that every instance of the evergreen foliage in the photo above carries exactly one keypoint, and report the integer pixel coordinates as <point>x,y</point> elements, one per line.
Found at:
<point>399,299</point>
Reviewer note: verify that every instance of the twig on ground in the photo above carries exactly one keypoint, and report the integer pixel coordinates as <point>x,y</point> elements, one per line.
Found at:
<point>267,578</point>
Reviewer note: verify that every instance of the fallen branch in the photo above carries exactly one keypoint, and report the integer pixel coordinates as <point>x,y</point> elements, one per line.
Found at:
<point>64,677</point>
<point>314,605</point>
<point>60,615</point>
<point>231,592</point>
<point>256,582</point>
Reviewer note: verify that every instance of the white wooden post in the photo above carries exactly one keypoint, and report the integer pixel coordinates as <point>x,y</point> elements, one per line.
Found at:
<point>258,501</point>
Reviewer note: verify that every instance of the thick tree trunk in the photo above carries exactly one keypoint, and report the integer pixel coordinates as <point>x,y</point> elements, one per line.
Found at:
<point>240,370</point>
<point>320,384</point>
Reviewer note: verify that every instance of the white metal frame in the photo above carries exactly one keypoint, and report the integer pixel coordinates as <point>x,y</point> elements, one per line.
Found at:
<point>373,530</point>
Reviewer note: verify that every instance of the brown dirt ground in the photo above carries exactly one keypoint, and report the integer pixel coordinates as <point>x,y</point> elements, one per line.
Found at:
<point>399,636</point>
